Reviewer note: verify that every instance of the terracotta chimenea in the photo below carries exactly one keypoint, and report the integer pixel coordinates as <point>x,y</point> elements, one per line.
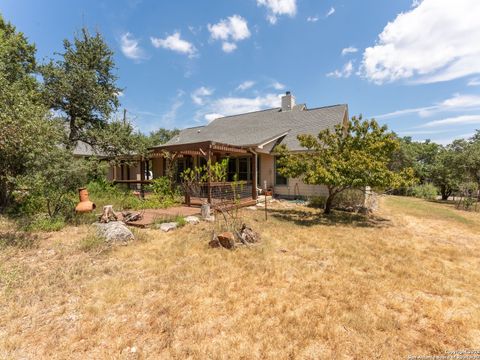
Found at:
<point>85,205</point>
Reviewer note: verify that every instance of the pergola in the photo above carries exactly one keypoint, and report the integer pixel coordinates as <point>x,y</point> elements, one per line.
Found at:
<point>208,149</point>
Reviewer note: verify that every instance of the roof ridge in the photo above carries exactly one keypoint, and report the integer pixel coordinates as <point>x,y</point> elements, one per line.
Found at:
<point>246,113</point>
<point>324,107</point>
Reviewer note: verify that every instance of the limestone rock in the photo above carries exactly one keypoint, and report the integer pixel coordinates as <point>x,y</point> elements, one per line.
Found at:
<point>168,226</point>
<point>192,220</point>
<point>114,232</point>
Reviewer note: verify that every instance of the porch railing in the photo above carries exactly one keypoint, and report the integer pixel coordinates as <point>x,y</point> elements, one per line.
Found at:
<point>219,192</point>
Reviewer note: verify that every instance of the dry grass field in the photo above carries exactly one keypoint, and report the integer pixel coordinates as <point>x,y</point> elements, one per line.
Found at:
<point>405,282</point>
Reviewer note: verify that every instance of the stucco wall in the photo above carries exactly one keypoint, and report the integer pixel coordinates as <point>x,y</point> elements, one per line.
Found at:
<point>296,188</point>
<point>266,170</point>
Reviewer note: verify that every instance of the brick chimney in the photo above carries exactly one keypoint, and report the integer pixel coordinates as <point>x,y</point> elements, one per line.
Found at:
<point>288,101</point>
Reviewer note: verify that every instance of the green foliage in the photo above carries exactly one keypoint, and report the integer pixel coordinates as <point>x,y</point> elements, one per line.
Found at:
<point>424,191</point>
<point>164,190</point>
<point>82,86</point>
<point>41,222</point>
<point>161,136</point>
<point>317,201</point>
<point>346,158</point>
<point>180,220</point>
<point>22,113</point>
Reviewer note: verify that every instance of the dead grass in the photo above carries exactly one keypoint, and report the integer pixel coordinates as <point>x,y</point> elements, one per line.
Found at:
<point>403,283</point>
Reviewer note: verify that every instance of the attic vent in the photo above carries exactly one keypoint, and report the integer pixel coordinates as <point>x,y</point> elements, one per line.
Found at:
<point>288,101</point>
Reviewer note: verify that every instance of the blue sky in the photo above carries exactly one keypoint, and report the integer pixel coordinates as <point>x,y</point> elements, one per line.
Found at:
<point>413,65</point>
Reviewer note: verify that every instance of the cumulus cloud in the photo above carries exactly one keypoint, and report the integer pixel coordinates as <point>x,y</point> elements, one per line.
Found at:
<point>457,102</point>
<point>349,50</point>
<point>245,85</point>
<point>436,40</point>
<point>345,72</point>
<point>198,96</point>
<point>330,12</point>
<point>238,105</point>
<point>175,43</point>
<point>130,47</point>
<point>229,31</point>
<point>276,8</point>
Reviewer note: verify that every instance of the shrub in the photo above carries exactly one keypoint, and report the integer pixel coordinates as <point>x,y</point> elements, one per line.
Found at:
<point>424,191</point>
<point>317,202</point>
<point>43,222</point>
<point>163,189</point>
<point>349,198</point>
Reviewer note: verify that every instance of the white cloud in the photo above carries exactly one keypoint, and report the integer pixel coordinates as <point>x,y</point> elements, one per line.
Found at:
<point>330,12</point>
<point>344,73</point>
<point>349,50</point>
<point>312,18</point>
<point>277,8</point>
<point>130,47</point>
<point>278,86</point>
<point>170,116</point>
<point>437,40</point>
<point>199,94</point>
<point>238,105</point>
<point>228,47</point>
<point>474,82</point>
<point>245,85</point>
<point>175,43</point>
<point>213,116</point>
<point>230,30</point>
<point>457,102</point>
<point>457,120</point>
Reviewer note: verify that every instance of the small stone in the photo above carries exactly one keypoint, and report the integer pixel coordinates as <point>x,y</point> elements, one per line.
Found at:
<point>227,240</point>
<point>133,349</point>
<point>168,226</point>
<point>192,220</point>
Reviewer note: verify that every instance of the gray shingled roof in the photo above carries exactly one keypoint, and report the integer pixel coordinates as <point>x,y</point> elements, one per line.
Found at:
<point>258,127</point>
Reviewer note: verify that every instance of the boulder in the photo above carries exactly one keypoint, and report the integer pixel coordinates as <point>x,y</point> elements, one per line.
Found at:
<point>214,243</point>
<point>114,232</point>
<point>192,220</point>
<point>168,226</point>
<point>248,235</point>
<point>227,239</point>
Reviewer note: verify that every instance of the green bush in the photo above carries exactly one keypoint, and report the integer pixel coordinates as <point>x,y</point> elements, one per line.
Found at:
<point>424,191</point>
<point>349,198</point>
<point>317,202</point>
<point>42,222</point>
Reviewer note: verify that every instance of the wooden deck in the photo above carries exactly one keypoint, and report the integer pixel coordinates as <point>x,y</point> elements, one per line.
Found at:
<point>150,216</point>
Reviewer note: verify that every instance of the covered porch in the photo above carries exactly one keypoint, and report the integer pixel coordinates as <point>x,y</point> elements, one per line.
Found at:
<point>242,166</point>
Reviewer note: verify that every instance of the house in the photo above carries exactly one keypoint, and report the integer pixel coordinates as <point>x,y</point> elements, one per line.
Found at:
<point>248,141</point>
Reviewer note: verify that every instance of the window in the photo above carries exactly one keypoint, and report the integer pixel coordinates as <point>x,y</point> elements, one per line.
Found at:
<point>279,179</point>
<point>243,169</point>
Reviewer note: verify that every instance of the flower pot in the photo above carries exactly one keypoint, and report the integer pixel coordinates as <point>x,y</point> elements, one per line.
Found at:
<point>85,205</point>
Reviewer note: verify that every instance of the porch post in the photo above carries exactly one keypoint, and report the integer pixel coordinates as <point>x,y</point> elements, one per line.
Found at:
<point>253,164</point>
<point>142,177</point>
<point>114,171</point>
<point>209,172</point>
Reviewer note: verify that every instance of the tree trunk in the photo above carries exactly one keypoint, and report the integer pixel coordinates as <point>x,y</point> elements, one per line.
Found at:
<point>4,195</point>
<point>329,202</point>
